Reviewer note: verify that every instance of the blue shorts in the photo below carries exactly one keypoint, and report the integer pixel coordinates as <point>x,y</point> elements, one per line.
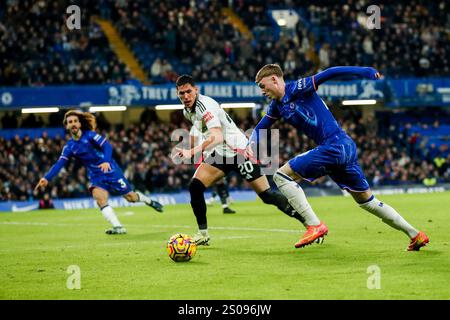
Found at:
<point>114,183</point>
<point>338,160</point>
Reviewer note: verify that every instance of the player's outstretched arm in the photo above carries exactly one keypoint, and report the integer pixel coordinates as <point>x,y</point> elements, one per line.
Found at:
<point>52,172</point>
<point>265,123</point>
<point>107,155</point>
<point>42,183</point>
<point>347,73</point>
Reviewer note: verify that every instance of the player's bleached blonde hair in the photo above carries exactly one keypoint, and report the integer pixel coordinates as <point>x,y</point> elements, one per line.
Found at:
<point>86,119</point>
<point>269,70</point>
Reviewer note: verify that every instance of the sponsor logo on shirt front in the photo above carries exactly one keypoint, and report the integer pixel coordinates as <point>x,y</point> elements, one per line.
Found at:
<point>207,117</point>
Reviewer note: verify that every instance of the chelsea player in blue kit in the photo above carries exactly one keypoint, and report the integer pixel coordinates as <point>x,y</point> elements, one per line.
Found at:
<point>335,155</point>
<point>105,176</point>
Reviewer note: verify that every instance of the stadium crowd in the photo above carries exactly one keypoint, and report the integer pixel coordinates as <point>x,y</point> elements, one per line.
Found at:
<point>36,48</point>
<point>389,154</point>
<point>412,38</point>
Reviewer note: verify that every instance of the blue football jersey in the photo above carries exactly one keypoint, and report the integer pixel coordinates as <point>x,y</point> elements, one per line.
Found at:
<point>302,107</point>
<point>88,149</point>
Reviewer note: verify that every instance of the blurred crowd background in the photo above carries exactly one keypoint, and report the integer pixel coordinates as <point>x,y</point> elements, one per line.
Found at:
<point>392,151</point>
<point>173,37</point>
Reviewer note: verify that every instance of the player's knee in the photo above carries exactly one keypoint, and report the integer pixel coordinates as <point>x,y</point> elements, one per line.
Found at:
<point>281,178</point>
<point>101,202</point>
<point>196,188</point>
<point>131,197</point>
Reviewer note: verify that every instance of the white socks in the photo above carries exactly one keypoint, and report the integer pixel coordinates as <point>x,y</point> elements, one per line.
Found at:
<point>143,197</point>
<point>388,215</point>
<point>110,216</point>
<point>296,197</point>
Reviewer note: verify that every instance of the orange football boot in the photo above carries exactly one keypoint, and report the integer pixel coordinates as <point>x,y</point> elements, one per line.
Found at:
<point>418,242</point>
<point>312,234</point>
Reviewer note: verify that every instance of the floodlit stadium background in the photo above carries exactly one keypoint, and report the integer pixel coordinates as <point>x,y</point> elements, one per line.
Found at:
<point>127,54</point>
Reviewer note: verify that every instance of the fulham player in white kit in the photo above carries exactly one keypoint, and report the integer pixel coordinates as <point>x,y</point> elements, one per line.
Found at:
<point>226,144</point>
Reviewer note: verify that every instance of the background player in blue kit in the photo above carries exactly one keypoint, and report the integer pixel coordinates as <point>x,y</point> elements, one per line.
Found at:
<point>335,155</point>
<point>105,176</point>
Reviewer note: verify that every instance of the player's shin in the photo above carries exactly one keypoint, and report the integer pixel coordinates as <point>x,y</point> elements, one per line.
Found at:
<point>389,216</point>
<point>198,204</point>
<point>296,197</point>
<point>110,216</point>
<point>223,194</point>
<point>281,202</point>
<point>140,197</point>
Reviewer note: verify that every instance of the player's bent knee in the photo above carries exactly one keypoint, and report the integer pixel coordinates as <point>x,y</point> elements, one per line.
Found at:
<point>362,197</point>
<point>100,199</point>
<point>281,178</point>
<point>131,197</point>
<point>101,203</point>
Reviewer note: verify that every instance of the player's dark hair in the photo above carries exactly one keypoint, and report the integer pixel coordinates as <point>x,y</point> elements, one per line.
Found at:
<point>86,119</point>
<point>185,79</point>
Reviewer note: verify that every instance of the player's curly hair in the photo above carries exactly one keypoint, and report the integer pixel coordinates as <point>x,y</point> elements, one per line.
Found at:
<point>269,70</point>
<point>86,119</point>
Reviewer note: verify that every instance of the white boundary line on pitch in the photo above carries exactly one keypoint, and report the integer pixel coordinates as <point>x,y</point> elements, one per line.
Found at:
<point>152,226</point>
<point>232,228</point>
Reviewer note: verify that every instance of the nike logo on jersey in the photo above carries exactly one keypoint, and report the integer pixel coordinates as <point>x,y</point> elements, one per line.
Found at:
<point>308,115</point>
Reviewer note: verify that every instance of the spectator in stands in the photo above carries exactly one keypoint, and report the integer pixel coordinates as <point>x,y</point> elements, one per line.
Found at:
<point>156,69</point>
<point>324,56</point>
<point>32,121</point>
<point>46,202</point>
<point>9,121</point>
<point>148,116</point>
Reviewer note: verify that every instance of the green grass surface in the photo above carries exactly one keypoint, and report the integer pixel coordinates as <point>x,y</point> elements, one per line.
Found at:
<point>251,254</point>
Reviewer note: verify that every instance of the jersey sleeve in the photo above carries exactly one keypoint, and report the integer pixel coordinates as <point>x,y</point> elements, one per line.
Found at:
<point>97,139</point>
<point>66,153</point>
<point>101,142</point>
<point>209,112</point>
<point>345,73</point>
<point>272,111</point>
<point>63,159</point>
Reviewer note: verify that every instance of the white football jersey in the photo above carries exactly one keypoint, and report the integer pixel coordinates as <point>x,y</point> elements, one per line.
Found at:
<point>199,138</point>
<point>207,114</point>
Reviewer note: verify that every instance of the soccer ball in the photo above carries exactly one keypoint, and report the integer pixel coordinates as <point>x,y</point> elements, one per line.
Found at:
<point>181,247</point>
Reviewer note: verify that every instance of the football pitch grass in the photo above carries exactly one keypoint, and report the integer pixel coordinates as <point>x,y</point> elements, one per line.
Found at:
<point>251,256</point>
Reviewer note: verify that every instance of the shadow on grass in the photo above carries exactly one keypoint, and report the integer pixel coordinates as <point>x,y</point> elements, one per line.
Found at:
<point>159,235</point>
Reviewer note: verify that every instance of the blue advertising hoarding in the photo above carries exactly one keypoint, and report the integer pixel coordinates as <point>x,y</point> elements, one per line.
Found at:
<point>89,203</point>
<point>408,92</point>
